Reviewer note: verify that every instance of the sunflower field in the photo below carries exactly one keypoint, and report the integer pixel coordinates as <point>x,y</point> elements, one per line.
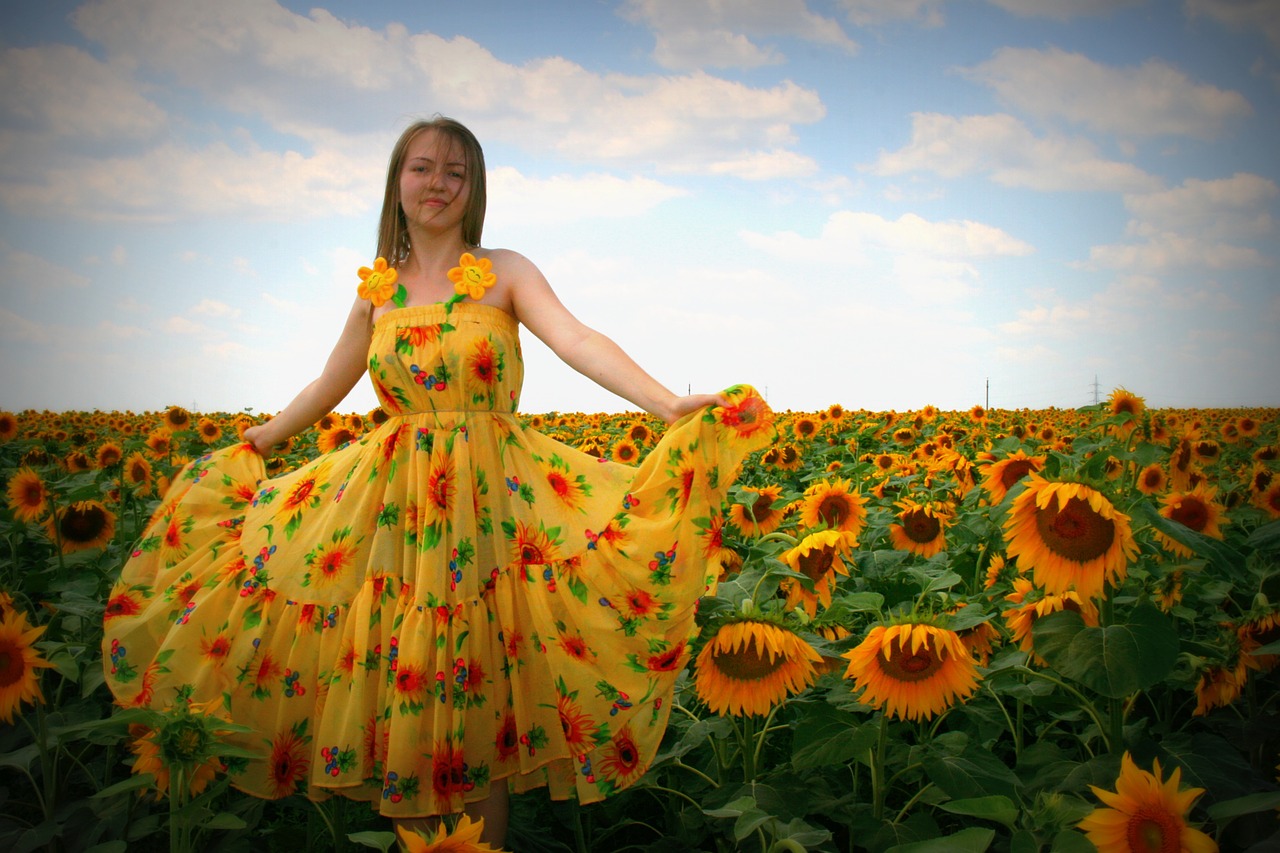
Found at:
<point>1049,630</point>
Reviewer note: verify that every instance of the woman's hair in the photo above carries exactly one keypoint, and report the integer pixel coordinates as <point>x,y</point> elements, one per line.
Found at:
<point>393,234</point>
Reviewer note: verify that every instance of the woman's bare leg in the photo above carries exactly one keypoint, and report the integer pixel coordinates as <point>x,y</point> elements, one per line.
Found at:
<point>495,809</point>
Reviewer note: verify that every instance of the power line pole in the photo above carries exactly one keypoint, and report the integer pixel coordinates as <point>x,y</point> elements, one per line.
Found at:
<point>1097,390</point>
<point>987,405</point>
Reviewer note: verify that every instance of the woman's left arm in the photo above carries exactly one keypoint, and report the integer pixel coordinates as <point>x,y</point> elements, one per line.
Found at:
<point>587,351</point>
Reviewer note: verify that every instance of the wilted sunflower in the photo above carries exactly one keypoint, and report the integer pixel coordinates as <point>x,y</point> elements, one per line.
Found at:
<point>1068,535</point>
<point>1218,687</point>
<point>28,495</point>
<point>763,515</point>
<point>833,504</point>
<point>999,477</point>
<point>1146,814</point>
<point>19,663</point>
<point>465,838</point>
<point>750,665</point>
<point>912,670</point>
<point>817,557</point>
<point>921,528</point>
<point>81,526</point>
<point>1196,510</point>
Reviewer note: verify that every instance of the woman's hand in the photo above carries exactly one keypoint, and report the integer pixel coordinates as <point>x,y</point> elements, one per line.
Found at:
<point>260,442</point>
<point>681,406</point>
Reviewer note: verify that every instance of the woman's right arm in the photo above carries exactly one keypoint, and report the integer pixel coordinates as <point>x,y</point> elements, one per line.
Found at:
<point>341,372</point>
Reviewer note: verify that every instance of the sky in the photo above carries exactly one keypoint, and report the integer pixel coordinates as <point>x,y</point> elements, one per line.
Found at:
<point>878,203</point>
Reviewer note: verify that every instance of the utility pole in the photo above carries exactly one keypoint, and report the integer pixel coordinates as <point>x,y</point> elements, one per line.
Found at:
<point>987,405</point>
<point>1097,389</point>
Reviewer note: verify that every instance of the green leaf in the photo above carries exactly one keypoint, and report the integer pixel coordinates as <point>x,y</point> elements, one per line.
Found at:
<point>383,841</point>
<point>972,840</point>
<point>998,808</point>
<point>826,735</point>
<point>134,782</point>
<point>1222,556</point>
<point>1070,841</point>
<point>1266,537</point>
<point>1250,804</point>
<point>973,772</point>
<point>225,820</point>
<point>1116,660</point>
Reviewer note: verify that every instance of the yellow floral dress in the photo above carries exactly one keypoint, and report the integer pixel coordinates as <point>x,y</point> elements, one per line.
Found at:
<point>451,600</point>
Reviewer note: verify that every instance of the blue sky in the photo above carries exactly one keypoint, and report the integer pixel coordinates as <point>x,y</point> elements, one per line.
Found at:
<point>878,203</point>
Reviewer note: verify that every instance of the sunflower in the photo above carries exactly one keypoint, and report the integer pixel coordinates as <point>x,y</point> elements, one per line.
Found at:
<point>921,528</point>
<point>789,457</point>
<point>1196,510</point>
<point>1022,616</point>
<point>1270,500</point>
<point>137,471</point>
<point>817,557</point>
<point>465,838</point>
<point>160,442</point>
<point>1069,535</point>
<point>187,737</point>
<point>1145,814</point>
<point>331,438</point>
<point>835,505</point>
<point>1126,405</point>
<point>177,418</point>
<point>208,430</point>
<point>20,663</point>
<point>1256,633</point>
<point>76,461</point>
<point>28,495</point>
<point>625,451</point>
<point>804,427</point>
<point>639,432</point>
<point>763,515</point>
<point>81,526</point>
<point>108,455</point>
<point>1152,479</point>
<point>1218,687</point>
<point>8,426</point>
<point>999,477</point>
<point>750,665</point>
<point>912,670</point>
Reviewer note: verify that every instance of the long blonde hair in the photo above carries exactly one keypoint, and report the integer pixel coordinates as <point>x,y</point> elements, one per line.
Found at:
<point>393,232</point>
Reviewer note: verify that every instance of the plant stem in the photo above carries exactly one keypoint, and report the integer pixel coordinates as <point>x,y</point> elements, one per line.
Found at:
<point>877,770</point>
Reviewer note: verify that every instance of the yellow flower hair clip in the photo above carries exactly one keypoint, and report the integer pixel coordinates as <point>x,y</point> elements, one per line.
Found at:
<point>471,277</point>
<point>380,283</point>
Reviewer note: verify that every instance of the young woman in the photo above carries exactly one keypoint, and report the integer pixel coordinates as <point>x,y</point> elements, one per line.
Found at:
<point>452,605</point>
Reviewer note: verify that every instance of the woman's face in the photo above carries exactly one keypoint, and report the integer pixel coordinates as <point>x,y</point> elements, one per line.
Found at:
<point>433,182</point>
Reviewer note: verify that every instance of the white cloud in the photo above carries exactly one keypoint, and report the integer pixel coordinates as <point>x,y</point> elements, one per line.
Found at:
<point>870,13</point>
<point>214,308</point>
<point>1235,207</point>
<point>1256,15</point>
<point>1063,10</point>
<point>848,235</point>
<point>173,183</point>
<point>1152,99</point>
<point>183,327</point>
<point>324,81</point>
<point>1005,149</point>
<point>21,270</point>
<point>718,35</point>
<point>118,332</point>
<point>1169,251</point>
<point>62,90</point>
<point>14,327</point>
<point>514,197</point>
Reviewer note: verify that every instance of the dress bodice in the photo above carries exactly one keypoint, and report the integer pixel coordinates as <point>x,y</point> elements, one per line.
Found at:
<point>429,358</point>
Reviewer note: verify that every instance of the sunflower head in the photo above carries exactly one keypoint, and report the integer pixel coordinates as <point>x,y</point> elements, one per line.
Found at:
<point>912,669</point>
<point>20,663</point>
<point>752,664</point>
<point>1146,812</point>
